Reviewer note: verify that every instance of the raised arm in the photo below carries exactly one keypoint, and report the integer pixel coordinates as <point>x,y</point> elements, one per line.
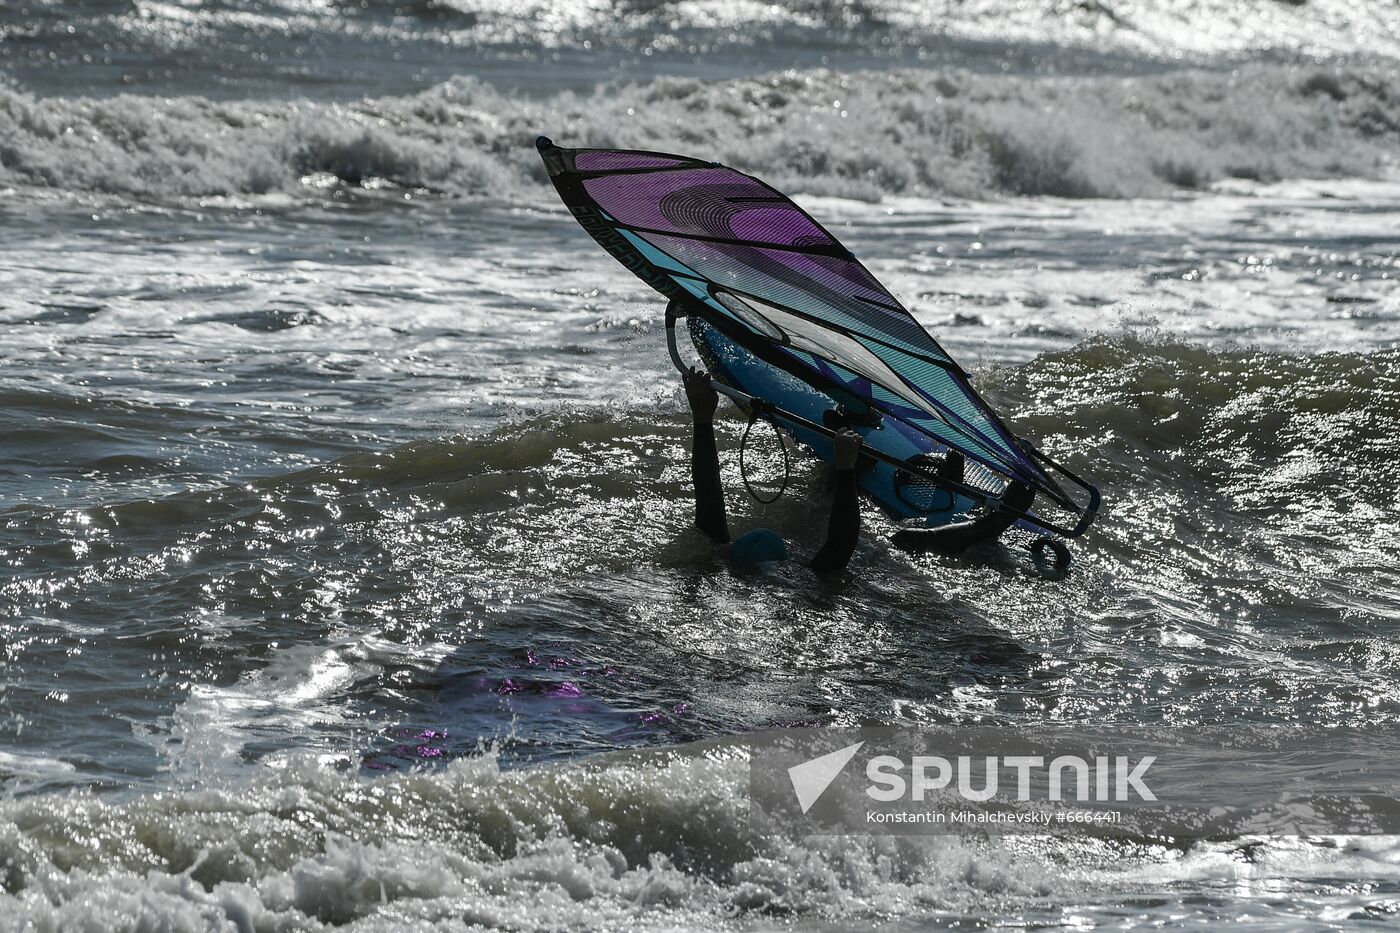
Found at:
<point>704,456</point>
<point>843,528</point>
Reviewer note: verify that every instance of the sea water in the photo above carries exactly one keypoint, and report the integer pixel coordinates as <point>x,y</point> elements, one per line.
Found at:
<point>345,537</point>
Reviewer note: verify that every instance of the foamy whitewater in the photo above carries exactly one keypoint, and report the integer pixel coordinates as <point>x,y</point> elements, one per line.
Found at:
<point>347,575</point>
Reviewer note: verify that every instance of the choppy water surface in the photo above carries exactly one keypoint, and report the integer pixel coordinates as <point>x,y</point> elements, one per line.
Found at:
<point>343,481</point>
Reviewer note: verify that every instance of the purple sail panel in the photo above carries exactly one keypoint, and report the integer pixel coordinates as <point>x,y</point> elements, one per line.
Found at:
<point>607,160</point>
<point>708,202</point>
<point>776,224</point>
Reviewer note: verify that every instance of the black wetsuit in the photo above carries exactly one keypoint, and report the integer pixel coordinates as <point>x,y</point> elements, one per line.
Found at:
<point>843,528</point>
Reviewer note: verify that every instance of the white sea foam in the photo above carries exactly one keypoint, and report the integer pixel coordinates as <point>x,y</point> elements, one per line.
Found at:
<point>18,770</point>
<point>649,844</point>
<point>865,135</point>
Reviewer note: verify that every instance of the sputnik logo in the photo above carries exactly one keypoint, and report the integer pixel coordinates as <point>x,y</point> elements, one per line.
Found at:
<point>811,778</point>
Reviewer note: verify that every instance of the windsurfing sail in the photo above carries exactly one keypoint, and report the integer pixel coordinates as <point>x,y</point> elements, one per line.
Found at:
<point>747,260</point>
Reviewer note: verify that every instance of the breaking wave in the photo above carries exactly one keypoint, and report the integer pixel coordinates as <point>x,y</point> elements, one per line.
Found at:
<point>1274,429</point>
<point>468,846</point>
<point>641,844</point>
<point>861,135</point>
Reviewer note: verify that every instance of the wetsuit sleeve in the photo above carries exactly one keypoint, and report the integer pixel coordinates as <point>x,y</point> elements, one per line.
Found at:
<point>843,527</point>
<point>709,493</point>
